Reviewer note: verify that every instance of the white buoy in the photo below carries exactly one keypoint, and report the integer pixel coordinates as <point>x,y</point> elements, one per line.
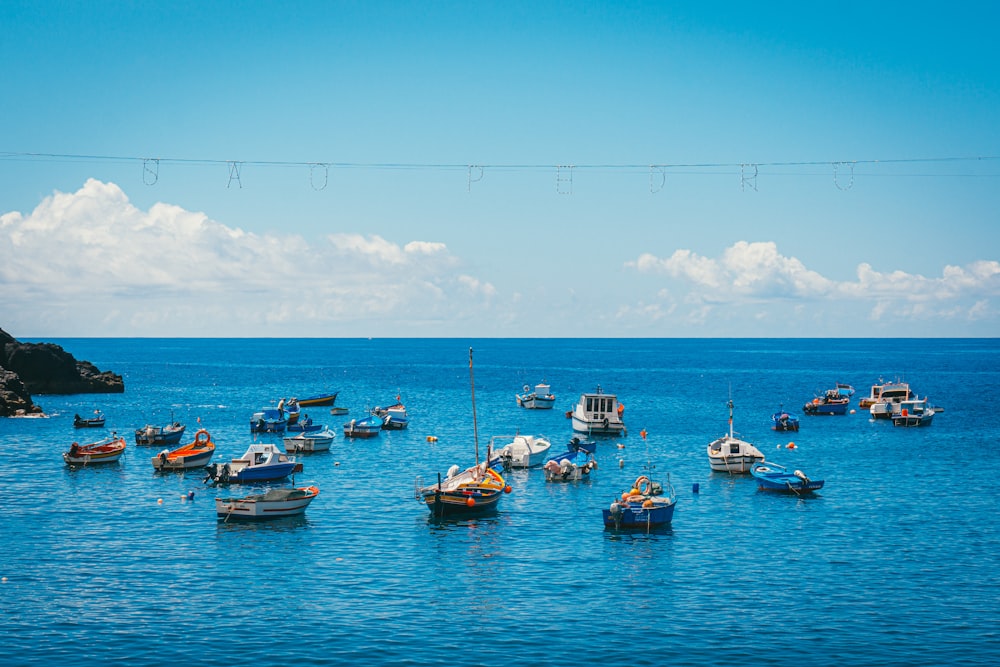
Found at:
<point>159,501</point>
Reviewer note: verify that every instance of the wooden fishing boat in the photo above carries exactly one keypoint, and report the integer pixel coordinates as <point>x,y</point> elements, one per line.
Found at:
<point>271,504</point>
<point>195,454</point>
<point>104,451</point>
<point>832,402</point>
<point>168,434</point>
<point>319,399</point>
<point>474,491</point>
<point>646,505</point>
<point>730,454</point>
<point>783,421</point>
<point>572,465</point>
<point>367,427</point>
<point>539,398</point>
<point>97,421</point>
<point>268,420</point>
<point>776,478</point>
<point>319,441</point>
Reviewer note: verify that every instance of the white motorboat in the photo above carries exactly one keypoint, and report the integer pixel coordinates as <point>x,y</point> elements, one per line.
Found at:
<point>520,451</point>
<point>598,413</point>
<point>890,395</point>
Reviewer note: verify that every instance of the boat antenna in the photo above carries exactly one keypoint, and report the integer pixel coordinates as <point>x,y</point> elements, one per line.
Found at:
<point>730,417</point>
<point>475,426</point>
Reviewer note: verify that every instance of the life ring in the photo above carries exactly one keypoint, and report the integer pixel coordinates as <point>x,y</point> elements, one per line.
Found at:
<point>199,441</point>
<point>606,422</point>
<point>643,485</point>
<point>526,389</point>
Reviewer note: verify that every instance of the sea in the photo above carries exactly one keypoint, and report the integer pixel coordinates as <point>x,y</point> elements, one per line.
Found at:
<point>896,561</point>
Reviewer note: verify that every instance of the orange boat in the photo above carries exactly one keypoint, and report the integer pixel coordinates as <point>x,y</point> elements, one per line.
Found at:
<point>192,455</point>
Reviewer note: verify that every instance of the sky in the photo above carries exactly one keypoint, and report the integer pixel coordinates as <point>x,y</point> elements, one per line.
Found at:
<point>499,169</point>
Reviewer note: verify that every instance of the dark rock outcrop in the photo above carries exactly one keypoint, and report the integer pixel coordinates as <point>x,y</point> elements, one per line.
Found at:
<point>46,368</point>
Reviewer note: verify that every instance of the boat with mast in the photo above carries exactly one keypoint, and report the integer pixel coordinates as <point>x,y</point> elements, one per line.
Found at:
<point>470,492</point>
<point>730,454</point>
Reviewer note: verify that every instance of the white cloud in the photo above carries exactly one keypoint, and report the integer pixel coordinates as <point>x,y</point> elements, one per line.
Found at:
<point>756,273</point>
<point>92,256</point>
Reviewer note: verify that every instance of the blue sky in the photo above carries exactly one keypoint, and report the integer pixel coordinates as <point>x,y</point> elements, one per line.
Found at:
<point>499,169</point>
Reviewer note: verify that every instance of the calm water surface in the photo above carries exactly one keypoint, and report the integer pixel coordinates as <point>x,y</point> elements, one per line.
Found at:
<point>895,562</point>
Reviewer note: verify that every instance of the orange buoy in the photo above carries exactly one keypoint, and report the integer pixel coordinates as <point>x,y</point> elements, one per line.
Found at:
<point>507,489</point>
<point>790,445</point>
<point>432,438</point>
<point>643,433</point>
<point>470,501</point>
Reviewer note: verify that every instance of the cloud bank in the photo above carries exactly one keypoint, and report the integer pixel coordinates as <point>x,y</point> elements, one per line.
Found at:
<point>93,258</point>
<point>758,275</point>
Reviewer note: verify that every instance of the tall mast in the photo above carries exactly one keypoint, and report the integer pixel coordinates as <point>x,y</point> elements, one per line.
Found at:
<point>475,426</point>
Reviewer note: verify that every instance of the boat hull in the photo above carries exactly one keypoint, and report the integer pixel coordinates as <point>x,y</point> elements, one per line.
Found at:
<point>307,444</point>
<point>259,507</point>
<point>776,479</point>
<point>183,462</point>
<point>634,515</point>
<point>733,464</point>
<point>604,426</point>
<point>536,402</point>
<point>324,399</point>
<point>363,428</point>
<point>154,435</point>
<point>106,452</point>
<point>447,504</point>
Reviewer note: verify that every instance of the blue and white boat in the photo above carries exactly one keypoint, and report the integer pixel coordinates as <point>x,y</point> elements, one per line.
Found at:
<point>268,420</point>
<point>832,402</point>
<point>304,425</point>
<point>778,479</point>
<point>169,434</point>
<point>394,417</point>
<point>541,398</point>
<point>731,454</point>
<point>368,427</point>
<point>914,412</point>
<point>784,421</point>
<point>262,462</point>
<point>646,505</point>
<point>573,465</point>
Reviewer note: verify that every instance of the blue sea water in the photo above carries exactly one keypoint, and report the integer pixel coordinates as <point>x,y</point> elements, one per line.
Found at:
<point>894,562</point>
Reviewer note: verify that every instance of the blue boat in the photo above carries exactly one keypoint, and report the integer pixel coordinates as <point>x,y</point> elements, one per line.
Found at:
<point>304,425</point>
<point>782,421</point>
<point>394,417</point>
<point>572,465</point>
<point>776,478</point>
<point>832,402</point>
<point>646,505</point>
<point>367,427</point>
<point>170,434</point>
<point>320,399</point>
<point>262,462</point>
<point>268,420</point>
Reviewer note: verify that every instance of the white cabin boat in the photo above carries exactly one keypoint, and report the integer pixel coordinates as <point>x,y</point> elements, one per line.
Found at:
<point>915,412</point>
<point>598,414</point>
<point>730,454</point>
<point>520,451</point>
<point>889,397</point>
<point>541,398</point>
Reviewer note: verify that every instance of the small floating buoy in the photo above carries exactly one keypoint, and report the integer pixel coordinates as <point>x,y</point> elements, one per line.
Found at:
<point>621,446</point>
<point>643,433</point>
<point>159,501</point>
<point>694,487</point>
<point>432,438</point>
<point>778,447</point>
<point>507,489</point>
<point>183,497</point>
<point>336,463</point>
<point>790,445</point>
<point>621,463</point>
<point>3,580</point>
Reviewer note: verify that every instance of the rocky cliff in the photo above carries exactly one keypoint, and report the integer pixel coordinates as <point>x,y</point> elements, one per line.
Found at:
<point>46,368</point>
